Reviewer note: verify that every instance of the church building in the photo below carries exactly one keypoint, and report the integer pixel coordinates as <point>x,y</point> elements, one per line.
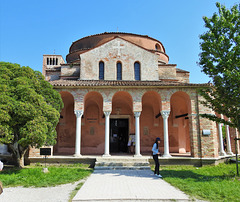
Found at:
<point>120,93</point>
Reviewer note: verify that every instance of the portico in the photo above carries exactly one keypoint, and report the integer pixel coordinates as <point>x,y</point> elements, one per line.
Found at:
<point>148,113</point>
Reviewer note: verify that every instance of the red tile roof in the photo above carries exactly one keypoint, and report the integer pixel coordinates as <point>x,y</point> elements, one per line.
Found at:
<point>102,83</point>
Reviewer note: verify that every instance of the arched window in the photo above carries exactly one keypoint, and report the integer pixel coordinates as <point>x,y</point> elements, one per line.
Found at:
<point>56,61</point>
<point>47,61</point>
<point>157,47</point>
<point>101,70</point>
<point>119,71</point>
<point>50,61</point>
<point>137,71</point>
<point>53,61</point>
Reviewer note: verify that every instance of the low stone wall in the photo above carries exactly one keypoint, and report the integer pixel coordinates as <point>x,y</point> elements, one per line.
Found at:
<point>58,160</point>
<point>62,160</point>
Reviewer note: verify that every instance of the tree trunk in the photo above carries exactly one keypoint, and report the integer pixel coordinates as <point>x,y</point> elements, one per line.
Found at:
<point>21,159</point>
<point>18,153</point>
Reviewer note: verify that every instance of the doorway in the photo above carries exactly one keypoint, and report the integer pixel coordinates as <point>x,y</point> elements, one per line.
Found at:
<point>119,135</point>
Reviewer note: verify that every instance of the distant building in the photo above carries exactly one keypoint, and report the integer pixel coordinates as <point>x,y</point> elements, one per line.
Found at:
<point>117,84</point>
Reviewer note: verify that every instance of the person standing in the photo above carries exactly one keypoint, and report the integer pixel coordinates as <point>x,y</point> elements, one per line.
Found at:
<point>1,186</point>
<point>155,156</point>
<point>1,165</point>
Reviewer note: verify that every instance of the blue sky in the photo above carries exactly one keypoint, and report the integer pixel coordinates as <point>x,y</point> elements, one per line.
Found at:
<point>29,29</point>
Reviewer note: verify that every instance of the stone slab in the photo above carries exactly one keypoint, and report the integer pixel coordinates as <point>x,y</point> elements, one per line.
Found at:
<point>127,185</point>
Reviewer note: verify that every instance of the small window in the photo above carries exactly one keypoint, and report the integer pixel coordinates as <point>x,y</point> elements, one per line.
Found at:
<point>50,61</point>
<point>101,70</point>
<point>56,61</point>
<point>53,61</point>
<point>137,71</point>
<point>157,47</point>
<point>47,61</point>
<point>119,71</point>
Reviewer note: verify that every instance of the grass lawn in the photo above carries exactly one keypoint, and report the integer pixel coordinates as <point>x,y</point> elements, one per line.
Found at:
<point>34,177</point>
<point>212,183</point>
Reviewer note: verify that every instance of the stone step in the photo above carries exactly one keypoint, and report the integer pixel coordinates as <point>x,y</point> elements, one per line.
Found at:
<point>122,167</point>
<point>121,164</point>
<point>107,163</point>
<point>121,159</point>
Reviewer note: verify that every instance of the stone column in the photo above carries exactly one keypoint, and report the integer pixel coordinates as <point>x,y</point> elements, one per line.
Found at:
<point>107,115</point>
<point>221,152</point>
<point>165,115</point>
<point>229,148</point>
<point>79,114</point>
<point>137,134</point>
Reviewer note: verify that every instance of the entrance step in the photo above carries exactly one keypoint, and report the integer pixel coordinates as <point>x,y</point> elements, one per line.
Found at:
<point>119,163</point>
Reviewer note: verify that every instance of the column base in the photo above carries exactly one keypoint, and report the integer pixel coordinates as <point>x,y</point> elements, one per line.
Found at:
<point>166,156</point>
<point>230,153</point>
<point>106,155</point>
<point>77,155</point>
<point>137,155</point>
<point>222,153</point>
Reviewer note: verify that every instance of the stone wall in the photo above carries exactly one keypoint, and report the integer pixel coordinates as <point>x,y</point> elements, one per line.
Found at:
<point>110,55</point>
<point>70,71</point>
<point>167,72</point>
<point>52,75</point>
<point>182,77</point>
<point>210,143</point>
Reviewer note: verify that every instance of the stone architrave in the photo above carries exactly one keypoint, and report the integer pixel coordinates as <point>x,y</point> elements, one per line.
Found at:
<point>79,114</point>
<point>107,116</point>
<point>165,115</point>
<point>137,134</point>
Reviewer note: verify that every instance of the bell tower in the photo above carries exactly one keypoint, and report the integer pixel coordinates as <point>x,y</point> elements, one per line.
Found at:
<point>51,62</point>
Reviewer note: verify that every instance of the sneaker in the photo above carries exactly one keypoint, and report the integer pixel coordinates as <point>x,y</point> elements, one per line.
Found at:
<point>160,176</point>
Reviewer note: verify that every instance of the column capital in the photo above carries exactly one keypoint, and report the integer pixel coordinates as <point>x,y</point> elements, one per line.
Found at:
<point>78,113</point>
<point>165,114</point>
<point>137,114</point>
<point>107,113</point>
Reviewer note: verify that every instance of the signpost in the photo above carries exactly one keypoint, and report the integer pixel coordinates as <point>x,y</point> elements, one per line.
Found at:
<point>46,152</point>
<point>236,151</point>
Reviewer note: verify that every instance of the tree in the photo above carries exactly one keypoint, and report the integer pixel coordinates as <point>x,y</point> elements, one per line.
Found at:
<point>220,60</point>
<point>29,110</point>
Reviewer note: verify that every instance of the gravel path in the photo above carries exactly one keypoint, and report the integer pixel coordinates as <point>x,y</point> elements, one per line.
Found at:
<point>59,193</point>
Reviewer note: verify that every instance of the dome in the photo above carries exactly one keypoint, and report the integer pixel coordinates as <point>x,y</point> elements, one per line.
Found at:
<point>90,42</point>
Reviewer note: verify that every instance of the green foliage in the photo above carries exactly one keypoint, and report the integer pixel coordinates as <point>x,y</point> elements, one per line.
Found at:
<point>212,183</point>
<point>220,60</point>
<point>34,177</point>
<point>29,108</point>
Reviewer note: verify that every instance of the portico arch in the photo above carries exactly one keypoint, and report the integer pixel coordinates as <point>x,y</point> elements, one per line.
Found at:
<point>121,121</point>
<point>93,124</point>
<point>66,128</point>
<point>150,120</point>
<point>122,103</point>
<point>179,135</point>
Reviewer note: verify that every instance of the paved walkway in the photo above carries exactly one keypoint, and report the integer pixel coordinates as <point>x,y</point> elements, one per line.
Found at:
<point>127,185</point>
<point>59,193</point>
